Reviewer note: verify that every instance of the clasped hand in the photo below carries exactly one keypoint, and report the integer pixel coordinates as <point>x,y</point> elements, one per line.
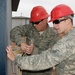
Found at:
<point>28,49</point>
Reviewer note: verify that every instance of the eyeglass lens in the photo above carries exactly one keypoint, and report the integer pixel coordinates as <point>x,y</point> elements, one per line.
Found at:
<point>37,22</point>
<point>58,21</point>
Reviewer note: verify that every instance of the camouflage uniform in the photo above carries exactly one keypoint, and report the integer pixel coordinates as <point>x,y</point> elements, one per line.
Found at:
<point>41,42</point>
<point>62,54</point>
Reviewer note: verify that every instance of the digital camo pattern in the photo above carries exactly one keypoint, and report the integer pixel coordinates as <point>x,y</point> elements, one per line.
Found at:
<point>62,55</point>
<point>41,43</point>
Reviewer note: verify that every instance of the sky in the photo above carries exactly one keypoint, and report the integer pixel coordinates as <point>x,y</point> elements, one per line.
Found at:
<point>25,6</point>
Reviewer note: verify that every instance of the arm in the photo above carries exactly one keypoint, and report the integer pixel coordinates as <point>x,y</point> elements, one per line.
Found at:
<point>47,59</point>
<point>17,34</point>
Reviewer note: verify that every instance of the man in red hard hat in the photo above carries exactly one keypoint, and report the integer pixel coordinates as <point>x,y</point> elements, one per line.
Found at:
<point>62,54</point>
<point>37,34</point>
<point>60,11</point>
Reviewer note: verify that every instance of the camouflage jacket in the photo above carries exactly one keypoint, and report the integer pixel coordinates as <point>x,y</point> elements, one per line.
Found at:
<point>41,42</point>
<point>62,54</point>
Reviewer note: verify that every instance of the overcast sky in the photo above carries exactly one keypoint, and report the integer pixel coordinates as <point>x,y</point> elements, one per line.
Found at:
<point>25,6</point>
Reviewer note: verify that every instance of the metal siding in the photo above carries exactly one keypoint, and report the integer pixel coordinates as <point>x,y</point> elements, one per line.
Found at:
<point>2,37</point>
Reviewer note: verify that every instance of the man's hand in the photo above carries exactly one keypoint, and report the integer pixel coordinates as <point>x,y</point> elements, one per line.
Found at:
<point>28,49</point>
<point>10,53</point>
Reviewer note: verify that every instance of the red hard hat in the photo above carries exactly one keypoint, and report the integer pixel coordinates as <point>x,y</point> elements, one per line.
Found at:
<point>38,13</point>
<point>60,11</point>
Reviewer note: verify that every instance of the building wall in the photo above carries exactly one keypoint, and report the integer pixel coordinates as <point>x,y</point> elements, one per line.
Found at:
<point>16,21</point>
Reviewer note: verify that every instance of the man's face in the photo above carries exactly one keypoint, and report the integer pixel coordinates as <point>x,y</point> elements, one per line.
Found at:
<point>41,25</point>
<point>60,25</point>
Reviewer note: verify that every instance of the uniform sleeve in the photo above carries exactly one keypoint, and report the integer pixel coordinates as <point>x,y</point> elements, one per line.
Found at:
<point>47,59</point>
<point>17,33</point>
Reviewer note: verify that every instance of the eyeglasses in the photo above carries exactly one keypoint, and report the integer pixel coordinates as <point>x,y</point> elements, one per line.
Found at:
<point>37,22</point>
<point>58,21</point>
